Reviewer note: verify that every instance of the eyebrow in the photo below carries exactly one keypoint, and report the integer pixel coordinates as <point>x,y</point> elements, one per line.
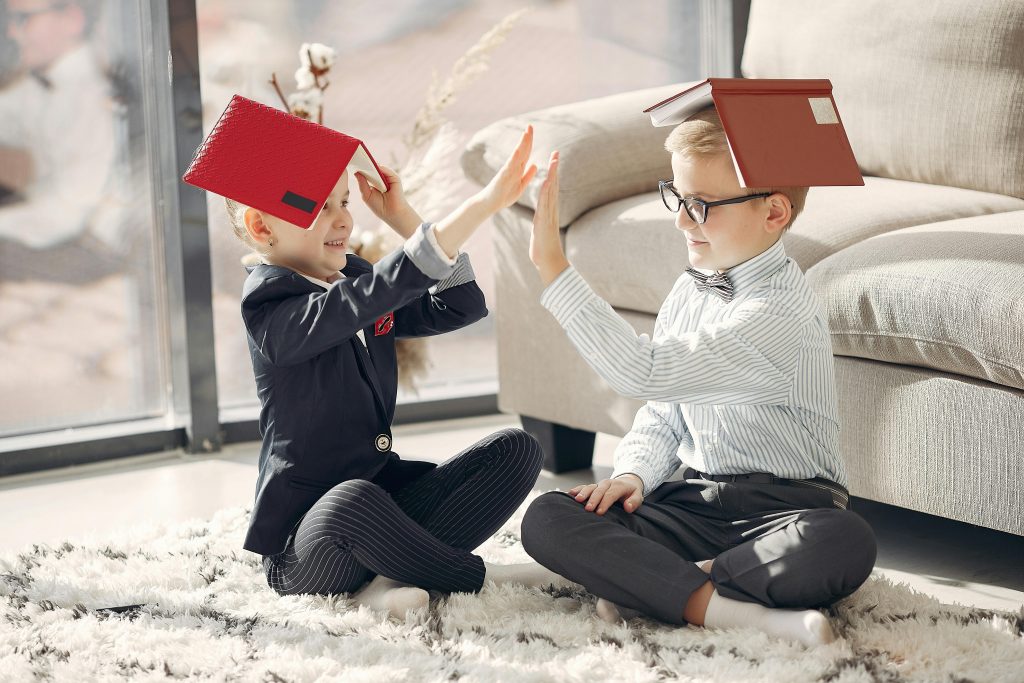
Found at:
<point>695,192</point>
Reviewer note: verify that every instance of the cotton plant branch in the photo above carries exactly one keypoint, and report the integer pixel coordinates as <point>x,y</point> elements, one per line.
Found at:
<point>307,101</point>
<point>468,68</point>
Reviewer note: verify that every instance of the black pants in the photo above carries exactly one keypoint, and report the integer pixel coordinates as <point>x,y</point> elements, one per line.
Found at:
<point>422,534</point>
<point>773,544</point>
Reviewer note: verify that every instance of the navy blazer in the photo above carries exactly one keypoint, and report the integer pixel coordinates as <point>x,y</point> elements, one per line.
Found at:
<point>326,400</point>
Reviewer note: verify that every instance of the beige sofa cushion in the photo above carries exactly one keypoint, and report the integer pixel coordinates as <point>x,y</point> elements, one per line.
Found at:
<point>947,296</point>
<point>607,146</point>
<point>928,91</point>
<point>630,251</point>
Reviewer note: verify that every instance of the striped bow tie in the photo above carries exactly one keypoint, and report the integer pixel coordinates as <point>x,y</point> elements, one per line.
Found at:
<point>718,283</point>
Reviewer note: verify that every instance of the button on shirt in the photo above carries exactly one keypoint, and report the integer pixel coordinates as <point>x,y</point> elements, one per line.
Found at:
<point>730,388</point>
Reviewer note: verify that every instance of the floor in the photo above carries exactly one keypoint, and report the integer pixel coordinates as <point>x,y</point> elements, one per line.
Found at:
<point>955,562</point>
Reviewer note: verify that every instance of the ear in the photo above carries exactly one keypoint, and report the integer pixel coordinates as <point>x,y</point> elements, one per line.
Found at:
<point>256,226</point>
<point>780,209</point>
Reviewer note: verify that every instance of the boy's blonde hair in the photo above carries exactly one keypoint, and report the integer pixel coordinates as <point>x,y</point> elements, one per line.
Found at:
<point>701,136</point>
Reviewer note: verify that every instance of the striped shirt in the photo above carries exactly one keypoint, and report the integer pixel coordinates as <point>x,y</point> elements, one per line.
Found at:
<point>730,388</point>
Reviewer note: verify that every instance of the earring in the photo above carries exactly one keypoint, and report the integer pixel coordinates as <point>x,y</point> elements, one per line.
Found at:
<point>271,241</point>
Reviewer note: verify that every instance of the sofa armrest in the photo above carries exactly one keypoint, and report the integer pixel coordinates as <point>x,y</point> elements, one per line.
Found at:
<point>608,149</point>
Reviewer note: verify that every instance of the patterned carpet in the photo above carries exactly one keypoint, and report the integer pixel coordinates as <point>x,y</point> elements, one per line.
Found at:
<point>207,614</point>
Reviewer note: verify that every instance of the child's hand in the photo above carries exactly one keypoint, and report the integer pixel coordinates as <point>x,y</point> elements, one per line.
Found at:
<point>391,206</point>
<point>511,179</point>
<point>504,189</point>
<point>604,494</point>
<point>545,247</point>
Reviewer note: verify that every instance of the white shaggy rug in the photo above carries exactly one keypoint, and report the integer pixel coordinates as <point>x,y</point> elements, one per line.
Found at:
<point>209,614</point>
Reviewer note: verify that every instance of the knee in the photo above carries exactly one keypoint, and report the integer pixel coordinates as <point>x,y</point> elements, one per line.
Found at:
<point>353,493</point>
<point>860,539</point>
<point>540,531</point>
<point>521,447</point>
<point>852,544</point>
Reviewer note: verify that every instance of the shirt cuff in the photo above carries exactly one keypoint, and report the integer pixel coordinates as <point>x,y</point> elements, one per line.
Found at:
<point>566,295</point>
<point>432,238</point>
<point>427,256</point>
<point>645,473</point>
<point>462,274</point>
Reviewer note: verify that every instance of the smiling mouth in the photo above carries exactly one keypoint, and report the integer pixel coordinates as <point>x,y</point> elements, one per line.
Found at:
<point>335,243</point>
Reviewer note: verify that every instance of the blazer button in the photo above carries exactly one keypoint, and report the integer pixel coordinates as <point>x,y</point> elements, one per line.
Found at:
<point>383,442</point>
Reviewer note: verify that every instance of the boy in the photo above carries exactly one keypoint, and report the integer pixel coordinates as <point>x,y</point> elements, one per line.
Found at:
<point>738,383</point>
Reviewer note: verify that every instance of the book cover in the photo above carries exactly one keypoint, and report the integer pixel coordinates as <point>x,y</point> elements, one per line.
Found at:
<point>781,131</point>
<point>276,162</point>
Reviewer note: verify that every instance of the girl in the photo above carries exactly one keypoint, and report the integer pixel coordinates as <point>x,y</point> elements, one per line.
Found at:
<point>336,510</point>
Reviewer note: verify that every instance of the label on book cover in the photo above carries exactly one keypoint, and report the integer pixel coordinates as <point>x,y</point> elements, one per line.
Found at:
<point>823,110</point>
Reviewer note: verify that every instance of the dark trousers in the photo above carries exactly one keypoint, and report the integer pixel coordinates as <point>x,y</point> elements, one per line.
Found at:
<point>777,545</point>
<point>421,534</point>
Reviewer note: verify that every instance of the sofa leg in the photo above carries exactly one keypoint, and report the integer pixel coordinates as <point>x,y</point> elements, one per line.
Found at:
<point>565,448</point>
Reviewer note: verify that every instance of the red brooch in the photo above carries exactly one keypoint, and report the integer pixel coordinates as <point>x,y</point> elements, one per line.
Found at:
<point>384,325</point>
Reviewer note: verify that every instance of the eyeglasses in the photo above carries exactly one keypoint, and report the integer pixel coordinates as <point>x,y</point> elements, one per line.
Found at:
<point>697,209</point>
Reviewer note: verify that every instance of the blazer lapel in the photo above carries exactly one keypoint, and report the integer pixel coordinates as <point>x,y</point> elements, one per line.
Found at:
<point>353,269</point>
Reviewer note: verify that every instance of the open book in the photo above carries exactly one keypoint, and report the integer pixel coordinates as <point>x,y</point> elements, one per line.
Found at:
<point>276,162</point>
<point>781,131</point>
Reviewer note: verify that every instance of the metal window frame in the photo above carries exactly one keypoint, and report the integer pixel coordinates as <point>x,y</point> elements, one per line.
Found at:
<point>174,112</point>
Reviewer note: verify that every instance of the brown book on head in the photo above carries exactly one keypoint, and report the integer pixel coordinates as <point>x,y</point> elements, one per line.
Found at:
<point>781,131</point>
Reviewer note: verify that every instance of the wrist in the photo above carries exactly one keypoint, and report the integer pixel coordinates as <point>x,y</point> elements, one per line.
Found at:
<point>406,222</point>
<point>551,268</point>
<point>634,477</point>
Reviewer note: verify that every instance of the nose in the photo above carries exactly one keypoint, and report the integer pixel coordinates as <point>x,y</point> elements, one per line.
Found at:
<point>683,220</point>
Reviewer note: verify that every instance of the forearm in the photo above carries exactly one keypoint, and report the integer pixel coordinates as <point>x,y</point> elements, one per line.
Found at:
<point>455,228</point>
<point>406,223</point>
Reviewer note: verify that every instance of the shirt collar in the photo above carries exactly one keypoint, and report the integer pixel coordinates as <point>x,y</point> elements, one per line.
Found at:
<point>753,270</point>
<point>316,281</point>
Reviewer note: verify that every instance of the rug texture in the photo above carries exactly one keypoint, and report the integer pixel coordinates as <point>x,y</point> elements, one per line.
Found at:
<point>208,614</point>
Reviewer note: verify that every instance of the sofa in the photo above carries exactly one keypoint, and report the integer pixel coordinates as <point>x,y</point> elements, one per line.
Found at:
<point>921,270</point>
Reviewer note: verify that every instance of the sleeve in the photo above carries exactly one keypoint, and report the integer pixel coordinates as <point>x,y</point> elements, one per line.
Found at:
<point>432,239</point>
<point>451,304</point>
<point>748,359</point>
<point>650,448</point>
<point>288,324</point>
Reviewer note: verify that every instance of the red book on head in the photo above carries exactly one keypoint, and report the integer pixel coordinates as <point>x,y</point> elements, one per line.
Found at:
<point>781,131</point>
<point>277,162</point>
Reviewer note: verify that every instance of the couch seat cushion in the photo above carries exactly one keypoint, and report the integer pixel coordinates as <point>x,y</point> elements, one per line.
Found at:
<point>947,296</point>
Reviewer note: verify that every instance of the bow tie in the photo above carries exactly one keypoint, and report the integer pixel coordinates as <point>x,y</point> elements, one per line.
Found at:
<point>718,283</point>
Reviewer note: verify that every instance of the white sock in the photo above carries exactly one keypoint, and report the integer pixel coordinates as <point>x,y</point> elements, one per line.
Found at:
<point>612,612</point>
<point>809,626</point>
<point>530,574</point>
<point>397,598</point>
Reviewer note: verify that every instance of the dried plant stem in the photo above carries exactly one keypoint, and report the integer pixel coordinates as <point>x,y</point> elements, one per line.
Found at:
<point>284,101</point>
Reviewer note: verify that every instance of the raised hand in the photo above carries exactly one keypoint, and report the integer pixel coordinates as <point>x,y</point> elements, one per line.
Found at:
<point>545,247</point>
<point>391,206</point>
<point>512,178</point>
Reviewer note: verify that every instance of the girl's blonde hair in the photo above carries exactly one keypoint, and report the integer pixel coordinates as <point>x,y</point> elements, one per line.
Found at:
<point>236,215</point>
<point>701,136</point>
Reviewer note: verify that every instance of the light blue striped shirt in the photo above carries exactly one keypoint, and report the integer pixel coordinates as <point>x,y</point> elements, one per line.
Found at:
<point>730,388</point>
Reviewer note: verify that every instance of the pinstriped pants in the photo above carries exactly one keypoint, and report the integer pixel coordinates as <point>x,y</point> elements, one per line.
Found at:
<point>420,535</point>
